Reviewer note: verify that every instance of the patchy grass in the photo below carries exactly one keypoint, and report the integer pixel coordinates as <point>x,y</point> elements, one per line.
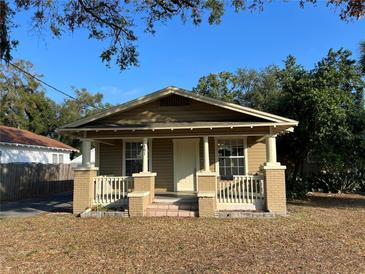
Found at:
<point>323,234</point>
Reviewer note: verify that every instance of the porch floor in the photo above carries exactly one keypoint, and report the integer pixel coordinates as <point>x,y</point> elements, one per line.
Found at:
<point>172,204</point>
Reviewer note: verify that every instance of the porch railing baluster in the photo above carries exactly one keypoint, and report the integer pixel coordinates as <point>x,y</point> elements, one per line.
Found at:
<point>108,189</point>
<point>242,190</point>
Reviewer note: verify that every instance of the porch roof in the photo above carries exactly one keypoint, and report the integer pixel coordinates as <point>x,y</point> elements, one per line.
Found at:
<point>180,125</point>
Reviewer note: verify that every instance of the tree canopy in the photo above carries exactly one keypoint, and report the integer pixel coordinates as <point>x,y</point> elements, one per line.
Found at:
<point>24,104</point>
<point>328,102</point>
<point>115,21</point>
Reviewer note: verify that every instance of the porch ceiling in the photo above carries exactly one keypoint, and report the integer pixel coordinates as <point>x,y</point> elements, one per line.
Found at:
<point>176,125</point>
<point>180,130</point>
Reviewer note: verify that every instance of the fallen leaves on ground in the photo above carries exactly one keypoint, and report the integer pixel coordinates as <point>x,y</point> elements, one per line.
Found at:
<point>323,234</point>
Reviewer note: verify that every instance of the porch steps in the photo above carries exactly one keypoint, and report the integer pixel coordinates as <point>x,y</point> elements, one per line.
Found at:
<point>173,206</point>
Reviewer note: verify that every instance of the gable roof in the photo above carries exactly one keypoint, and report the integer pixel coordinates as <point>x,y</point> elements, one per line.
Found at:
<point>16,136</point>
<point>181,92</point>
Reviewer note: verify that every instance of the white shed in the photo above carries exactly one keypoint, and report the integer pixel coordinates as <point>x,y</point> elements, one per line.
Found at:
<point>23,146</point>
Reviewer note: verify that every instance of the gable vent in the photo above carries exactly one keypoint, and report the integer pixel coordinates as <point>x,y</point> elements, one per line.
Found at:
<point>174,100</point>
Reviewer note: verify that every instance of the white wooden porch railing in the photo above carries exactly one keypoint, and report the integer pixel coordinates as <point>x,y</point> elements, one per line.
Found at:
<point>109,190</point>
<point>243,189</point>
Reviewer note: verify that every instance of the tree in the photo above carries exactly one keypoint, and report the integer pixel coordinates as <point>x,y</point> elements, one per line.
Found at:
<point>24,104</point>
<point>114,21</point>
<point>362,56</point>
<point>248,87</point>
<point>328,102</point>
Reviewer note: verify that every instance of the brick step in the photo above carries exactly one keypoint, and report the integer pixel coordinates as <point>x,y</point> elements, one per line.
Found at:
<point>181,206</point>
<point>164,212</point>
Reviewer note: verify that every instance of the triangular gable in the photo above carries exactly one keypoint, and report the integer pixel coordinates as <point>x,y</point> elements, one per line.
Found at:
<point>138,105</point>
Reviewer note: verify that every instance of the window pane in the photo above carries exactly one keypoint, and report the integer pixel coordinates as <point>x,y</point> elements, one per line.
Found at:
<point>54,158</point>
<point>60,158</point>
<point>240,162</point>
<point>231,158</point>
<point>128,170</point>
<point>228,173</point>
<point>222,172</point>
<point>133,155</point>
<point>139,151</point>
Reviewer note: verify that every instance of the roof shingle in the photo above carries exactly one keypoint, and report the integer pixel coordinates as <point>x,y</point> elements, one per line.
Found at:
<point>25,137</point>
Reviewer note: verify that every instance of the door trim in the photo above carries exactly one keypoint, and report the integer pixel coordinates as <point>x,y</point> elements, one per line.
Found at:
<point>197,165</point>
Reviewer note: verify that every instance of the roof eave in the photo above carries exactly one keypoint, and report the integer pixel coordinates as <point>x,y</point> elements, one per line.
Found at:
<point>182,92</point>
<point>37,146</point>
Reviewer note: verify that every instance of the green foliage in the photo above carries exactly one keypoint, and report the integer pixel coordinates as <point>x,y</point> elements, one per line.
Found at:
<point>328,102</point>
<point>257,89</point>
<point>115,21</point>
<point>24,104</point>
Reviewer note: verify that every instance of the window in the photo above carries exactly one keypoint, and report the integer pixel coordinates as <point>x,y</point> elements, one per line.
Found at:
<point>54,159</point>
<point>60,159</point>
<point>231,158</point>
<point>133,157</point>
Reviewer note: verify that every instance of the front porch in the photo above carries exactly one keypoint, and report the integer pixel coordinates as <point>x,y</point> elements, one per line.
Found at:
<point>241,193</point>
<point>177,141</point>
<point>153,192</point>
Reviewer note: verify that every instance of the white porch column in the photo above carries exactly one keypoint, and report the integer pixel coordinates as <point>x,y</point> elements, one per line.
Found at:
<point>145,155</point>
<point>86,153</point>
<point>271,149</point>
<point>206,154</point>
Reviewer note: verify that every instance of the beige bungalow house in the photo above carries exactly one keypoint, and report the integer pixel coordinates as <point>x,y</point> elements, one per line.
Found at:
<point>176,142</point>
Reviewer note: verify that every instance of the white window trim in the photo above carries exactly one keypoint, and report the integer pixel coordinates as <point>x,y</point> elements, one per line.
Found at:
<point>60,156</point>
<point>245,151</point>
<point>124,154</point>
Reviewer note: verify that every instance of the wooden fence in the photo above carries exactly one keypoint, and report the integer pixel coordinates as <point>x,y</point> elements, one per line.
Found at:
<point>28,180</point>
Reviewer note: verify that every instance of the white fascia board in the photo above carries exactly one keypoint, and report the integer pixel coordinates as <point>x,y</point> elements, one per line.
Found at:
<point>35,146</point>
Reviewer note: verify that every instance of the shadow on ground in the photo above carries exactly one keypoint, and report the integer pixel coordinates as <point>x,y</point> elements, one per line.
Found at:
<point>61,203</point>
<point>328,200</point>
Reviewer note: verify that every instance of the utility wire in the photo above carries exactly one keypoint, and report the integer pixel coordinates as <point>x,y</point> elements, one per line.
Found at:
<point>48,85</point>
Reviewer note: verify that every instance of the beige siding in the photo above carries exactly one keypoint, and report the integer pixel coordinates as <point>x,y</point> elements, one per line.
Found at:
<point>163,164</point>
<point>110,159</point>
<point>163,159</point>
<point>256,154</point>
<point>196,111</point>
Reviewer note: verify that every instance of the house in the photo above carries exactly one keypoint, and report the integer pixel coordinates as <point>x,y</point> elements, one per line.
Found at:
<point>23,146</point>
<point>177,142</point>
<point>78,160</point>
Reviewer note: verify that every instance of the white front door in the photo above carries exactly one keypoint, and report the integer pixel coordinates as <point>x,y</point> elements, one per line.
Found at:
<point>186,163</point>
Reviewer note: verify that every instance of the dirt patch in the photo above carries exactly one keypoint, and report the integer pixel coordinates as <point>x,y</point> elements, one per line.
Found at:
<point>317,237</point>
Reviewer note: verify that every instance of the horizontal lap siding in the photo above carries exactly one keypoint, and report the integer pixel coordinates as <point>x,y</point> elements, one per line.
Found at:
<point>196,111</point>
<point>256,154</point>
<point>163,164</point>
<point>110,159</point>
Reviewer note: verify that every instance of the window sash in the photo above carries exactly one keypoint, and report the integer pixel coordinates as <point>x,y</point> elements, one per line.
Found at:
<point>133,157</point>
<point>231,157</point>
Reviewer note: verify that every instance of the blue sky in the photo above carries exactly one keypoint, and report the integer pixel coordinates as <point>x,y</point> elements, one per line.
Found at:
<point>179,54</point>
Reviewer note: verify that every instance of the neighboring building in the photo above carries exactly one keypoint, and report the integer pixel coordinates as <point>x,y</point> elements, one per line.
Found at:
<point>23,146</point>
<point>78,160</point>
<point>176,142</point>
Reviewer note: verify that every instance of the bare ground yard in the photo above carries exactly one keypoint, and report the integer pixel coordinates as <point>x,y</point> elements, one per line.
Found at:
<point>322,235</point>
